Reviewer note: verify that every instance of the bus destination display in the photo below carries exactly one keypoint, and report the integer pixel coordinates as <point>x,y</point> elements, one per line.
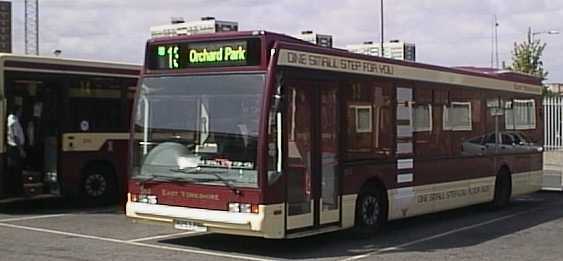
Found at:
<point>185,55</point>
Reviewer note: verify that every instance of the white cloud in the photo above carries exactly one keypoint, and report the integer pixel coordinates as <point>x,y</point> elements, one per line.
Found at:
<point>447,32</point>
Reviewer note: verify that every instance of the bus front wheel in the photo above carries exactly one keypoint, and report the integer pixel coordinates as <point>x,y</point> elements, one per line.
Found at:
<point>98,186</point>
<point>370,212</point>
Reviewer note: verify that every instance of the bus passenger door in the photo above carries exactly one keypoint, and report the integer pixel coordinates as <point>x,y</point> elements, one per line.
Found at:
<point>298,166</point>
<point>329,201</point>
<point>312,167</point>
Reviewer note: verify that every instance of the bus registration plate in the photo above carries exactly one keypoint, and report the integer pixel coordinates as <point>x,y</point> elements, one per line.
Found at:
<point>189,225</point>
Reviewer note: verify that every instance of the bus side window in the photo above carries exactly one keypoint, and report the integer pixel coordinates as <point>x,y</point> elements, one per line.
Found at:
<point>368,115</point>
<point>96,105</point>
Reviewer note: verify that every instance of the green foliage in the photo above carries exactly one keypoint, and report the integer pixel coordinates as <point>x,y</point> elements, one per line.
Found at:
<point>526,58</point>
<point>547,93</point>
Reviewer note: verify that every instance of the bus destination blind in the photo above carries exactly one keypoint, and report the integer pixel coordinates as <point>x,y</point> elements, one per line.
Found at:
<point>185,55</point>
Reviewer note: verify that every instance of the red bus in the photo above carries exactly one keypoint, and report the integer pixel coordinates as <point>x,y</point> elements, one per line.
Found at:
<point>73,116</point>
<point>261,134</point>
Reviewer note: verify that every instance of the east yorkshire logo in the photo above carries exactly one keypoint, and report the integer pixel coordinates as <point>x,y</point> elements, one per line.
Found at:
<point>223,54</point>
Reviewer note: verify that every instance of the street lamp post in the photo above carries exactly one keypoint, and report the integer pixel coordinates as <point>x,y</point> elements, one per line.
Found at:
<point>531,34</point>
<point>381,8</point>
<point>531,37</point>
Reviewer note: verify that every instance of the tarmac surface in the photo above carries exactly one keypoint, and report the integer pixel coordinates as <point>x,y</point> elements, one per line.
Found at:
<point>52,229</point>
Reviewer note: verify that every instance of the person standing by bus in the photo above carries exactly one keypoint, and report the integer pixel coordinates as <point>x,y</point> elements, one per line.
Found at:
<point>16,152</point>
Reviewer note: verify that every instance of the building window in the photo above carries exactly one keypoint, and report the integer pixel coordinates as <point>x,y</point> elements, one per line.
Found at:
<point>422,117</point>
<point>457,116</point>
<point>520,114</point>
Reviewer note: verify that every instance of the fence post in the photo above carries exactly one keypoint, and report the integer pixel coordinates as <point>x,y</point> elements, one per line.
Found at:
<point>553,123</point>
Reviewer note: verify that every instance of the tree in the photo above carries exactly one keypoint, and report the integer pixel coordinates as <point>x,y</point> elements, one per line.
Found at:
<point>526,58</point>
<point>545,92</point>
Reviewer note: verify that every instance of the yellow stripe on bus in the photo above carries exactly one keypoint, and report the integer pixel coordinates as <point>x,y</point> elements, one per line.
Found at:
<point>89,141</point>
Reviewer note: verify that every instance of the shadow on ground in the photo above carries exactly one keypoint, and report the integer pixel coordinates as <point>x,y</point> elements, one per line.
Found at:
<point>525,212</point>
<point>51,205</point>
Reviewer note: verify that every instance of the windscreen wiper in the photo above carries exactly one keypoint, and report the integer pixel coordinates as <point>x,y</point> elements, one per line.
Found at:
<point>197,171</point>
<point>156,178</point>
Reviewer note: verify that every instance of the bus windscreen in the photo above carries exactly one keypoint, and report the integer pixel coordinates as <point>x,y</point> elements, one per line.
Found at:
<point>185,55</point>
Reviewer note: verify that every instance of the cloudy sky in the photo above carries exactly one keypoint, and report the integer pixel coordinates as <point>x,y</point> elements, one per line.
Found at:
<point>446,32</point>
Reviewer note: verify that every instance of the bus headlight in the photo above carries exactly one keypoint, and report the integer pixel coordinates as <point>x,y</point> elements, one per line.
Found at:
<point>234,207</point>
<point>147,199</point>
<point>151,199</point>
<point>243,208</point>
<point>51,177</point>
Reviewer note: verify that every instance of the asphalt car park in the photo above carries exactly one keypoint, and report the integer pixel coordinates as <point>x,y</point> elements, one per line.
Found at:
<point>52,229</point>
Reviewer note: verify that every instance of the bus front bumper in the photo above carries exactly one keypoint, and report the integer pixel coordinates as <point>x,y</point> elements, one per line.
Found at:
<point>267,223</point>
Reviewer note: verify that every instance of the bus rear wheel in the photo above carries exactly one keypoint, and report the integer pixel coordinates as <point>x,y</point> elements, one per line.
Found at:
<point>370,212</point>
<point>503,190</point>
<point>98,186</point>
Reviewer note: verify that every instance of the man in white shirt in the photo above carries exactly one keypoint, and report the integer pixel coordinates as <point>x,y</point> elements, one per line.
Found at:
<point>16,152</point>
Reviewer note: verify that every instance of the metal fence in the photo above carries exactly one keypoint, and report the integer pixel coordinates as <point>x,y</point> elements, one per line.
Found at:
<point>553,123</point>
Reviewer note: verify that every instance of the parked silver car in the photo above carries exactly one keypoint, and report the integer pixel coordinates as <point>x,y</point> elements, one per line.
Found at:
<point>508,142</point>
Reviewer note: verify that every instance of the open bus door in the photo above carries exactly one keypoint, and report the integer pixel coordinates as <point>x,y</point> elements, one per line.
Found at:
<point>312,160</point>
<point>38,117</point>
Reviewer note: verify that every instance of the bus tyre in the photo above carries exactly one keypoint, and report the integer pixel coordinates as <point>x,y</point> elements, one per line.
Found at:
<point>503,190</point>
<point>98,186</point>
<point>370,212</point>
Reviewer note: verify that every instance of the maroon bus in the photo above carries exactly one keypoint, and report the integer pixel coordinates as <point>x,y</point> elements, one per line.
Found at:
<point>262,134</point>
<point>74,116</point>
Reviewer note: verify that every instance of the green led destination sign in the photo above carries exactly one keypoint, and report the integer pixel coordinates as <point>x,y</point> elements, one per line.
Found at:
<point>185,55</point>
<point>220,54</point>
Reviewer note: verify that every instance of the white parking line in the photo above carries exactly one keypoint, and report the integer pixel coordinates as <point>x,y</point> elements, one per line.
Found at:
<point>93,211</point>
<point>418,241</point>
<point>44,230</point>
<point>118,241</point>
<point>162,236</point>
<point>34,217</point>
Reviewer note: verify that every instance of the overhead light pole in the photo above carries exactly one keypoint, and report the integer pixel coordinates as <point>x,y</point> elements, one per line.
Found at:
<point>494,43</point>
<point>531,33</point>
<point>381,12</point>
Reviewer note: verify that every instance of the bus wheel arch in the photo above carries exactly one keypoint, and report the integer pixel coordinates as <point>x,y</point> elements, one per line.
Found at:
<point>98,183</point>
<point>371,207</point>
<point>503,187</point>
